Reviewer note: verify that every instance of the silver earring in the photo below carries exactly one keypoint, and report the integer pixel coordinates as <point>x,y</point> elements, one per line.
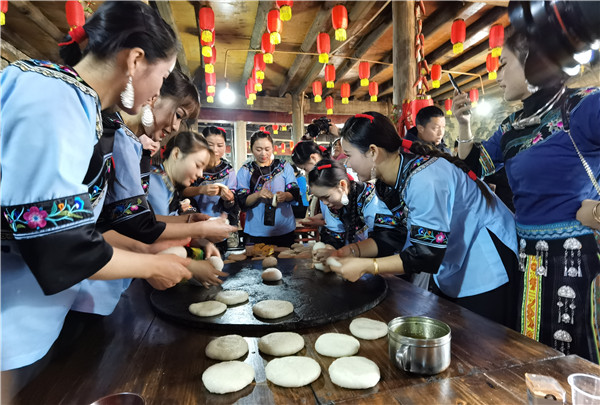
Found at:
<point>344,200</point>
<point>127,95</point>
<point>373,172</point>
<point>147,116</point>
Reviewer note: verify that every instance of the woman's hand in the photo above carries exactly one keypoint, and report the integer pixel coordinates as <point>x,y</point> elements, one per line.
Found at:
<point>283,196</point>
<point>226,194</point>
<point>353,268</point>
<point>210,190</point>
<point>209,248</point>
<point>159,246</point>
<point>585,214</point>
<point>168,270</point>
<point>205,273</point>
<point>321,255</point>
<point>215,230</point>
<point>149,144</point>
<point>313,222</point>
<point>265,194</point>
<point>198,217</point>
<point>461,108</point>
<point>345,251</point>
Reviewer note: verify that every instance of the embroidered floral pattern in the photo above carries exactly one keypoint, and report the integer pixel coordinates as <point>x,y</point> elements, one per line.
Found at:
<point>387,220</point>
<point>126,208</point>
<point>97,188</point>
<point>532,297</point>
<point>428,236</point>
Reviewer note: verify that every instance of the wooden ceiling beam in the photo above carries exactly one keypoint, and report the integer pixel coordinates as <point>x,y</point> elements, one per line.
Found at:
<point>164,9</point>
<point>27,8</point>
<point>10,52</point>
<point>319,25</point>
<point>260,25</point>
<point>24,46</point>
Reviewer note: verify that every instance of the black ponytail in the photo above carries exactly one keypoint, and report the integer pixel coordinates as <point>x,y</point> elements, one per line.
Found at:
<point>303,150</point>
<point>187,142</point>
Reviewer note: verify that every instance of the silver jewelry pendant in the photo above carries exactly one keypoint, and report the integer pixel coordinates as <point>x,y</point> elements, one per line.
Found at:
<point>147,116</point>
<point>127,95</point>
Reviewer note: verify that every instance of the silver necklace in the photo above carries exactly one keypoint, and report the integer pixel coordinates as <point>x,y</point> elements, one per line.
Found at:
<point>536,118</point>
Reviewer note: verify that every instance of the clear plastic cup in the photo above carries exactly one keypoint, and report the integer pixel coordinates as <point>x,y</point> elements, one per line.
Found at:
<point>585,389</point>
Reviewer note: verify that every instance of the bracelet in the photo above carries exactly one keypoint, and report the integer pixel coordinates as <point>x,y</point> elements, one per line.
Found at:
<point>466,140</point>
<point>189,219</point>
<point>352,250</point>
<point>595,213</point>
<point>358,247</point>
<point>376,267</point>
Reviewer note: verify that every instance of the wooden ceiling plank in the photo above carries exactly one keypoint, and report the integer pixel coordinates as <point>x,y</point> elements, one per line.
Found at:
<point>10,52</point>
<point>26,8</point>
<point>260,25</point>
<point>24,46</point>
<point>164,9</point>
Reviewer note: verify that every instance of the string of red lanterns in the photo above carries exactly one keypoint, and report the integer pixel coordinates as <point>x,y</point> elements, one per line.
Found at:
<point>206,21</point>
<point>285,9</point>
<point>422,67</point>
<point>210,61</point>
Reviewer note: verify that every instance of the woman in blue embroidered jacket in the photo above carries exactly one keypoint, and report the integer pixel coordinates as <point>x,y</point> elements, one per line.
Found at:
<point>353,209</point>
<point>452,225</point>
<point>266,188</point>
<point>51,116</point>
<point>558,255</point>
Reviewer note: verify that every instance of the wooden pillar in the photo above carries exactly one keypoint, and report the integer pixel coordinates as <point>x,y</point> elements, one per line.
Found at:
<point>297,116</point>
<point>239,144</point>
<point>405,64</point>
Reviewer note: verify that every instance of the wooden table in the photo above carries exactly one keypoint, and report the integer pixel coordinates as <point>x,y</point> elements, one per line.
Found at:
<point>134,350</point>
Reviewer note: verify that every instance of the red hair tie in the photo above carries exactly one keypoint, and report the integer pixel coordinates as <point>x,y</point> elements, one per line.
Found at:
<point>266,132</point>
<point>221,129</point>
<point>77,34</point>
<point>472,175</point>
<point>367,116</point>
<point>322,148</point>
<point>406,144</point>
<point>350,177</point>
<point>327,166</point>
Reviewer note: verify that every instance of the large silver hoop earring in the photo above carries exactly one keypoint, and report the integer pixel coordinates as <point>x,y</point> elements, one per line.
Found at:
<point>147,116</point>
<point>344,200</point>
<point>127,95</point>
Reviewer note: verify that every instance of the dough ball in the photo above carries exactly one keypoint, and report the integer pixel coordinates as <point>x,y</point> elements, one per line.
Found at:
<point>292,371</point>
<point>354,372</point>
<point>337,345</point>
<point>317,246</point>
<point>237,257</point>
<point>217,262</point>
<point>229,376</point>
<point>322,267</point>
<point>175,250</point>
<point>272,309</point>
<point>281,343</point>
<point>333,262</point>
<point>271,274</point>
<point>232,297</point>
<point>368,329</point>
<point>269,262</point>
<point>229,347</point>
<point>207,308</point>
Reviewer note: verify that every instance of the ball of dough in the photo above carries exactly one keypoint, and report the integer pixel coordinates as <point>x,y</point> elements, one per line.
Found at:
<point>175,250</point>
<point>292,371</point>
<point>337,345</point>
<point>232,297</point>
<point>229,376</point>
<point>317,246</point>
<point>354,372</point>
<point>272,309</point>
<point>368,329</point>
<point>333,262</point>
<point>281,343</point>
<point>269,262</point>
<point>228,347</point>
<point>207,308</point>
<point>271,274</point>
<point>217,262</point>
<point>322,267</point>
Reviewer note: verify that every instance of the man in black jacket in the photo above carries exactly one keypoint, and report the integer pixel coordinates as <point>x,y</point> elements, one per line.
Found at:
<point>430,127</point>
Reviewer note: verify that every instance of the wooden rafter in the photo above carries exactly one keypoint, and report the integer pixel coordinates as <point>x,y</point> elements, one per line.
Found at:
<point>24,46</point>
<point>10,52</point>
<point>260,24</point>
<point>27,8</point>
<point>164,9</point>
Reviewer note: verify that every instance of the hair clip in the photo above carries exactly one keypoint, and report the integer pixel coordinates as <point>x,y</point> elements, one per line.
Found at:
<point>327,166</point>
<point>406,143</point>
<point>221,129</point>
<point>266,132</point>
<point>322,148</point>
<point>77,34</point>
<point>350,177</point>
<point>367,116</point>
<point>472,175</point>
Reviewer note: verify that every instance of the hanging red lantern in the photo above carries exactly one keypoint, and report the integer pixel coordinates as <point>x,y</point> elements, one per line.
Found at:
<point>211,81</point>
<point>448,106</point>
<point>329,104</point>
<point>274,26</point>
<point>258,84</point>
<point>267,48</point>
<point>474,97</point>
<point>436,75</point>
<point>276,131</point>
<point>3,10</point>
<point>491,65</point>
<point>210,61</point>
<point>373,90</point>
<point>210,96</point>
<point>496,39</point>
<point>291,144</point>
<point>252,87</point>
<point>317,89</point>
<point>330,76</point>
<point>339,20</point>
<point>285,9</point>
<point>75,14</point>
<point>323,47</point>
<point>284,128</point>
<point>259,66</point>
<point>458,35</point>
<point>207,46</point>
<point>206,21</point>
<point>345,92</point>
<point>262,128</point>
<point>364,71</point>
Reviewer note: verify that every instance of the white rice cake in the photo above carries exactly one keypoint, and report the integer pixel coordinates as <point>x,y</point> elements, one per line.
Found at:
<point>229,376</point>
<point>292,371</point>
<point>368,329</point>
<point>232,297</point>
<point>228,347</point>
<point>281,343</point>
<point>354,372</point>
<point>207,308</point>
<point>337,345</point>
<point>272,309</point>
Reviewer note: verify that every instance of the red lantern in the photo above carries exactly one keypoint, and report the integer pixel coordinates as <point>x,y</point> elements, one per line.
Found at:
<point>274,26</point>
<point>249,99</point>
<point>317,90</point>
<point>339,20</point>
<point>373,90</point>
<point>276,131</point>
<point>210,61</point>
<point>474,97</point>
<point>448,106</point>
<point>75,15</point>
<point>3,10</point>
<point>291,144</point>
<point>496,39</point>
<point>364,71</point>
<point>329,104</point>
<point>345,92</point>
<point>284,128</point>
<point>259,65</point>
<point>207,46</point>
<point>285,9</point>
<point>330,76</point>
<point>262,128</point>
<point>458,35</point>
<point>436,75</point>
<point>491,65</point>
<point>252,88</point>
<point>323,47</point>
<point>211,81</point>
<point>258,84</point>
<point>210,96</point>
<point>206,21</point>
<point>267,48</point>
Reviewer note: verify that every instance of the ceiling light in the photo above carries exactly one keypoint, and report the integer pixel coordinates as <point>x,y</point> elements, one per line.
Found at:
<point>227,96</point>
